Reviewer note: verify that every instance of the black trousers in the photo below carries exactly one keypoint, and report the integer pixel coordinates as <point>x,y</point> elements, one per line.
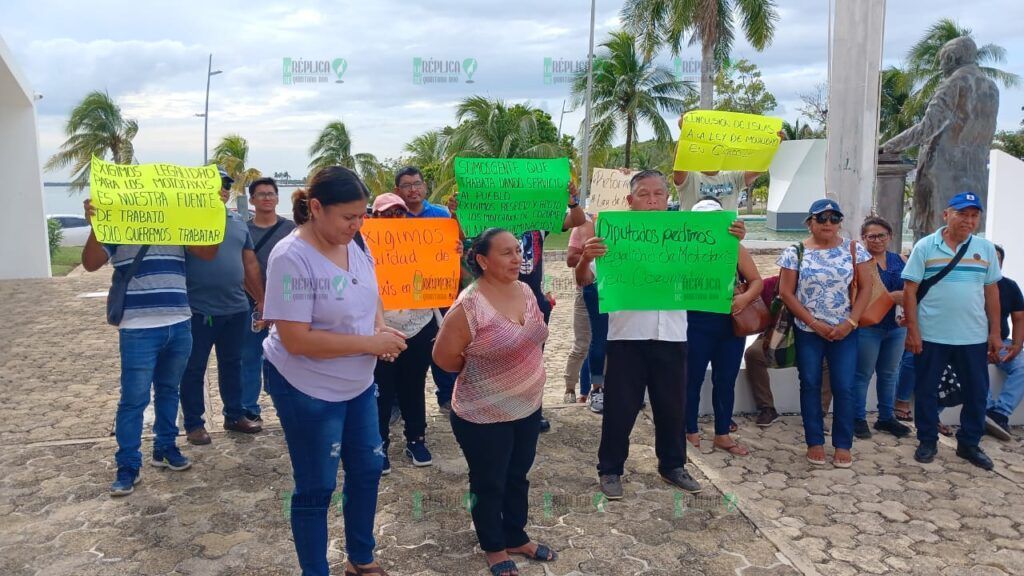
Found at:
<point>406,379</point>
<point>499,456</point>
<point>631,367</point>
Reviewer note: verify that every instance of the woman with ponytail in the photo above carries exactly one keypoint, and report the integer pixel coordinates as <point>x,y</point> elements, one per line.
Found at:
<point>328,333</point>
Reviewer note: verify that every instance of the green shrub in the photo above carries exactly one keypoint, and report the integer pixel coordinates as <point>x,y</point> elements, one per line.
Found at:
<point>55,234</point>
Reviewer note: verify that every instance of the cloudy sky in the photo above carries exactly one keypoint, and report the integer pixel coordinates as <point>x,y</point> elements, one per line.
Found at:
<point>151,56</point>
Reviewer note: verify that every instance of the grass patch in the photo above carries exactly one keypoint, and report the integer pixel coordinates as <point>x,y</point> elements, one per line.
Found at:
<point>558,241</point>
<point>65,259</point>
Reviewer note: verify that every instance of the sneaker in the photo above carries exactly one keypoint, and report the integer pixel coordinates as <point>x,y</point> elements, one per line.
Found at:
<point>893,427</point>
<point>861,430</point>
<point>926,452</point>
<point>417,450</point>
<point>126,480</point>
<point>975,455</point>
<point>396,415</point>
<point>997,425</point>
<point>171,458</point>
<point>386,469</point>
<point>681,479</point>
<point>766,417</point>
<point>597,402</point>
<point>545,426</point>
<point>445,407</point>
<point>569,398</point>
<point>611,486</point>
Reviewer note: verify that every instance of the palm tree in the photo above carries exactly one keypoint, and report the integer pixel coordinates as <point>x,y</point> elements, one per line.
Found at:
<point>657,22</point>
<point>895,115</point>
<point>629,89</point>
<point>333,147</point>
<point>923,65</point>
<point>798,131</point>
<point>95,128</point>
<point>428,153</point>
<point>232,154</point>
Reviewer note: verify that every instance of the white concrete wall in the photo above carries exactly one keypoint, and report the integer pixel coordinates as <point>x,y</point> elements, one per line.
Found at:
<point>797,179</point>
<point>1004,209</point>
<point>24,251</point>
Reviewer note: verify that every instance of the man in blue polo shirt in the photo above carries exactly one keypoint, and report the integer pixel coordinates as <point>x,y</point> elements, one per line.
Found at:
<point>411,187</point>
<point>956,323</point>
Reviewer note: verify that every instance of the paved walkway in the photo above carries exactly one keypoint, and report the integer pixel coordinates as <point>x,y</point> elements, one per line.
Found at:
<point>767,514</point>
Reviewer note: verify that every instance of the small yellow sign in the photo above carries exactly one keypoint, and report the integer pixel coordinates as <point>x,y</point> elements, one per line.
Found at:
<point>712,140</point>
<point>159,204</point>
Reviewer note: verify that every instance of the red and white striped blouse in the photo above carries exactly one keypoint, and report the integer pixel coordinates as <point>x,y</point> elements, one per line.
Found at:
<point>503,379</point>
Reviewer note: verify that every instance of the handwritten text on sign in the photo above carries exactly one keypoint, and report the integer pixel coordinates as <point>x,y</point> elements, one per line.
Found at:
<point>161,204</point>
<point>417,262</point>
<point>608,190</point>
<point>666,261</point>
<point>512,193</point>
<point>712,140</point>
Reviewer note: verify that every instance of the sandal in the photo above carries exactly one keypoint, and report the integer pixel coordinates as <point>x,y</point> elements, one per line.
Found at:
<point>945,430</point>
<point>815,460</point>
<point>695,443</point>
<point>504,568</point>
<point>842,463</point>
<point>736,449</point>
<point>541,554</point>
<point>360,571</point>
<point>733,426</point>
<point>903,414</point>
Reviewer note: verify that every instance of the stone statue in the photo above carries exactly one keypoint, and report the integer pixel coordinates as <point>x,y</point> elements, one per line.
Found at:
<point>954,136</point>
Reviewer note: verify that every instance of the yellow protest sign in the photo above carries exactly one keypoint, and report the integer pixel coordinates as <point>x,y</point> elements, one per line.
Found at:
<point>712,140</point>
<point>608,190</point>
<point>417,262</point>
<point>161,204</point>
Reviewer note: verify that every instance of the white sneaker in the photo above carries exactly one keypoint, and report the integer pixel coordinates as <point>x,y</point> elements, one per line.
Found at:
<point>569,398</point>
<point>597,402</point>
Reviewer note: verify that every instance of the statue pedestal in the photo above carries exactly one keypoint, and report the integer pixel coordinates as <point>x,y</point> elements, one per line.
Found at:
<point>890,183</point>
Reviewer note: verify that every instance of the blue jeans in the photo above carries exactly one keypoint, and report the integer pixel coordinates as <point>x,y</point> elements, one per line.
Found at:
<point>592,373</point>
<point>905,390</point>
<point>319,435</point>
<point>710,338</point>
<point>252,369</point>
<point>1013,387</point>
<point>149,357</point>
<point>970,362</point>
<point>879,351</point>
<point>811,350</point>
<point>226,333</point>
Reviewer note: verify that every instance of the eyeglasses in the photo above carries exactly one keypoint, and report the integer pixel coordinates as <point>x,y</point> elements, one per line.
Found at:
<point>877,237</point>
<point>833,218</point>
<point>411,185</point>
<point>392,213</point>
<point>265,195</point>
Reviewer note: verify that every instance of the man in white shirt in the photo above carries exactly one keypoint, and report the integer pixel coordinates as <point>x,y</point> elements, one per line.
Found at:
<point>646,350</point>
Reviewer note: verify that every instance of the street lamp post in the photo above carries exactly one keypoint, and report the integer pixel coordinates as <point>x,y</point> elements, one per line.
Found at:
<point>584,173</point>
<point>210,72</point>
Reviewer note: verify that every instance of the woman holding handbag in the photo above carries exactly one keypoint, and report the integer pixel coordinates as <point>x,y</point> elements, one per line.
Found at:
<point>880,346</point>
<point>713,337</point>
<point>826,317</point>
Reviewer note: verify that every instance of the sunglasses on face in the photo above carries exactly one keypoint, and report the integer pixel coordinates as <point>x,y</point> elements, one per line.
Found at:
<point>833,218</point>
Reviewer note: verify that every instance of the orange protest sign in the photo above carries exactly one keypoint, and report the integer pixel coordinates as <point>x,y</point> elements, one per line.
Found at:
<point>417,262</point>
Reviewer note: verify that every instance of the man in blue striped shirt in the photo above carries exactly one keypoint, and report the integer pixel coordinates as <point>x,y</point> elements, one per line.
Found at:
<point>155,340</point>
<point>955,324</point>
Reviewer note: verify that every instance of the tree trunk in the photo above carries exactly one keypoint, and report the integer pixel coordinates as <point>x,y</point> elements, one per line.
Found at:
<point>629,138</point>
<point>707,74</point>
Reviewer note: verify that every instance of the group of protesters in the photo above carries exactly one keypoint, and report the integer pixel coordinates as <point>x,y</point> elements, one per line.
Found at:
<point>292,307</point>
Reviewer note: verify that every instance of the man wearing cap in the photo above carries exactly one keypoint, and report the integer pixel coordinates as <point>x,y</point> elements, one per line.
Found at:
<point>951,302</point>
<point>220,317</point>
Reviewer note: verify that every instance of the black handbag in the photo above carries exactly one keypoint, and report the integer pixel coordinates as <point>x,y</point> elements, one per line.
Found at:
<point>119,288</point>
<point>950,393</point>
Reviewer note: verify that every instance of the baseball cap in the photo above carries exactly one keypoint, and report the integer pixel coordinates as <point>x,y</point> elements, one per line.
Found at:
<point>824,205</point>
<point>965,200</point>
<point>388,200</point>
<point>707,206</point>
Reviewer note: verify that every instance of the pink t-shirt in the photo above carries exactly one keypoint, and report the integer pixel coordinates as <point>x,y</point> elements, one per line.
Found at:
<point>503,379</point>
<point>303,285</point>
<point>580,234</point>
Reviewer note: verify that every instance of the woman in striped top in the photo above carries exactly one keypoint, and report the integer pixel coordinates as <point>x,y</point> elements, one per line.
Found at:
<point>494,337</point>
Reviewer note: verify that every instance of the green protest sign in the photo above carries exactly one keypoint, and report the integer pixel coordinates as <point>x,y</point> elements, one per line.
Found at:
<point>516,194</point>
<point>666,261</point>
